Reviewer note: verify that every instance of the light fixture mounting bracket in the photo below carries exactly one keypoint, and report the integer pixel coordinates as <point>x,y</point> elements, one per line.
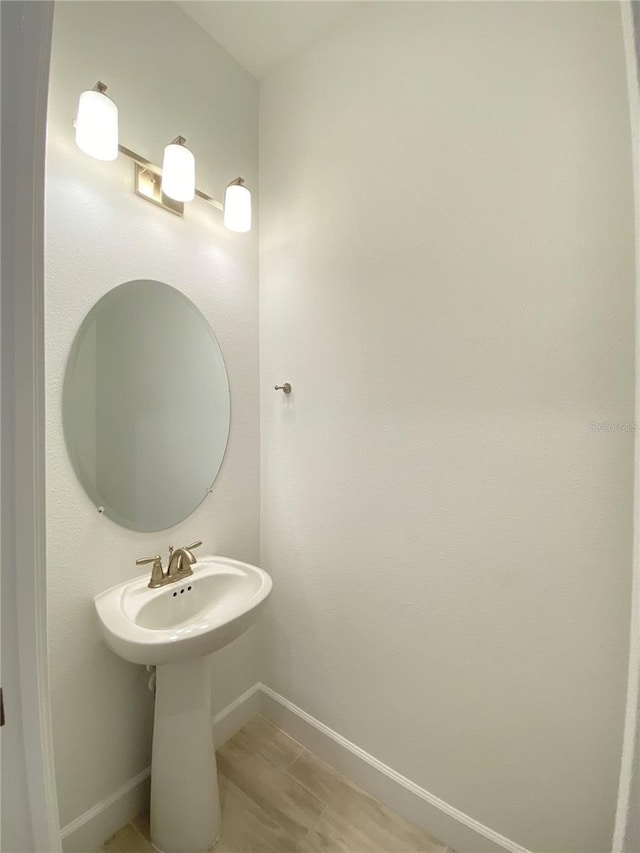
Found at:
<point>148,185</point>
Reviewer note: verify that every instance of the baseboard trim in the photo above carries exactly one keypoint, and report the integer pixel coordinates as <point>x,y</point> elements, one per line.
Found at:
<point>232,718</point>
<point>455,828</point>
<point>437,817</point>
<point>93,827</point>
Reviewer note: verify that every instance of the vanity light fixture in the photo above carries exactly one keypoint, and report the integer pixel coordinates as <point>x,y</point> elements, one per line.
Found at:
<point>179,171</point>
<point>96,127</point>
<point>97,124</point>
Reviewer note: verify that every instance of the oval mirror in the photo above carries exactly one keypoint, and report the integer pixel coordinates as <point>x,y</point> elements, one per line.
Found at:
<point>145,405</point>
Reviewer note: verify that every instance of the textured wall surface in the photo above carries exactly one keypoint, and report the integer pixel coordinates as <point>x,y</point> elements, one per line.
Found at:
<point>167,77</point>
<point>446,261</point>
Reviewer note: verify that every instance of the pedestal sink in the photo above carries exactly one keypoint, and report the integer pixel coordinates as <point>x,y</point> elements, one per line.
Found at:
<point>175,628</point>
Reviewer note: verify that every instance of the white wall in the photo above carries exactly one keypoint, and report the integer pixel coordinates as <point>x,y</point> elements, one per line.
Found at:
<point>167,77</point>
<point>446,261</point>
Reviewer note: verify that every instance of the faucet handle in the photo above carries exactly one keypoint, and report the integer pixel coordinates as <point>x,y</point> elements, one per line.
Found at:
<point>142,561</point>
<point>157,572</point>
<point>190,558</point>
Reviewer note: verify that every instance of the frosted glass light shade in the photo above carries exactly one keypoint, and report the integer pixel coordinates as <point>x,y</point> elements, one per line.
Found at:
<point>179,172</point>
<point>97,125</point>
<point>237,208</point>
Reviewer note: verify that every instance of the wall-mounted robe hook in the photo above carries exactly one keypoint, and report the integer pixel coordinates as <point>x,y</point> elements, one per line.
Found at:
<point>286,388</point>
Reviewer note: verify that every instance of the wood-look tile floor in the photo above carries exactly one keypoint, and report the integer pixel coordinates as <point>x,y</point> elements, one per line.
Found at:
<point>279,798</point>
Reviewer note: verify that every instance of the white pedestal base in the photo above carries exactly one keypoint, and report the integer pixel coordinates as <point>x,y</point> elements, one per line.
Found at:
<point>185,803</point>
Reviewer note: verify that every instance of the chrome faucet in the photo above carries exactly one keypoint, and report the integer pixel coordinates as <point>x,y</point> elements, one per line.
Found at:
<point>179,566</point>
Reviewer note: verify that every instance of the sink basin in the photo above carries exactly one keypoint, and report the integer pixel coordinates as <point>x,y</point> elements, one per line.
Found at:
<point>186,619</point>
